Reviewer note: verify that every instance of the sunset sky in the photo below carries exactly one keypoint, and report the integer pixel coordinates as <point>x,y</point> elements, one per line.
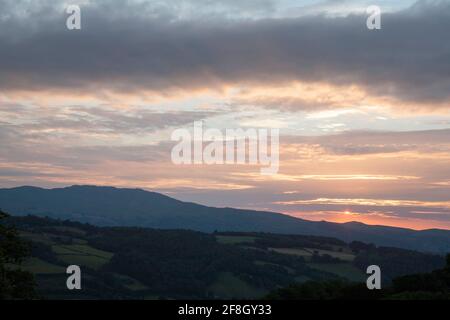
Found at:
<point>364,115</point>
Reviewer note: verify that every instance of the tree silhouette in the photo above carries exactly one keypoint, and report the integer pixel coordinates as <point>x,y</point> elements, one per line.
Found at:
<point>14,283</point>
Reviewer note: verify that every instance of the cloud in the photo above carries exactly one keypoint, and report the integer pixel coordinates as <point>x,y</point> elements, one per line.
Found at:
<point>97,119</point>
<point>372,202</point>
<point>106,120</point>
<point>373,142</point>
<point>419,212</point>
<point>77,137</point>
<point>122,49</point>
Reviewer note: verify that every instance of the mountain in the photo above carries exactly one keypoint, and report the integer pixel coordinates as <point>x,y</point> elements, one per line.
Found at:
<point>109,206</point>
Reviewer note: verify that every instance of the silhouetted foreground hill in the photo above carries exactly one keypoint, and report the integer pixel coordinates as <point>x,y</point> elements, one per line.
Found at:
<point>108,206</point>
<point>141,263</point>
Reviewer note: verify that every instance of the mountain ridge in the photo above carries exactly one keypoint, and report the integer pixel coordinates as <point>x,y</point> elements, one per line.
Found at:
<point>111,206</point>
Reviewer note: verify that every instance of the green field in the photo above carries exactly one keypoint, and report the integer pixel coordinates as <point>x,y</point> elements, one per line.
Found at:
<point>345,256</point>
<point>130,283</point>
<point>82,255</point>
<point>308,252</point>
<point>345,270</point>
<point>34,237</point>
<point>235,239</point>
<point>38,266</point>
<point>292,251</point>
<point>228,286</point>
<point>288,269</point>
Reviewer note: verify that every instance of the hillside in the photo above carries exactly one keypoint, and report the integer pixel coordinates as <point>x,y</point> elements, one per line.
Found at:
<point>434,285</point>
<point>108,206</point>
<point>140,263</point>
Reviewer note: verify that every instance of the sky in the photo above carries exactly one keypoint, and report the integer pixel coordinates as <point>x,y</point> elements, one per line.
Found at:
<point>364,115</point>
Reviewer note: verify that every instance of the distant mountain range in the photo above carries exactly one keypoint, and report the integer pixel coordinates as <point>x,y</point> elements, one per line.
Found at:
<point>109,206</point>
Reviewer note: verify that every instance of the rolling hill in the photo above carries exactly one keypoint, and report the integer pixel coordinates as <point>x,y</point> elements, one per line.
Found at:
<point>143,263</point>
<point>109,206</point>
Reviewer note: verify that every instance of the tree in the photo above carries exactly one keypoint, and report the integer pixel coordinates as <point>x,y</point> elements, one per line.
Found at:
<point>14,283</point>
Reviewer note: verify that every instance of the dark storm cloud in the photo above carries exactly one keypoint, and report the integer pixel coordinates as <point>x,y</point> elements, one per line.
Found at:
<point>119,48</point>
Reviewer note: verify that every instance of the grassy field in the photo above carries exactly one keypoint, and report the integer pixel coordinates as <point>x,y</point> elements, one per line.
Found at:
<point>292,251</point>
<point>34,237</point>
<point>235,239</point>
<point>82,255</point>
<point>345,256</point>
<point>81,249</point>
<point>38,266</point>
<point>288,269</point>
<point>130,283</point>
<point>345,270</point>
<point>228,286</point>
<point>308,252</point>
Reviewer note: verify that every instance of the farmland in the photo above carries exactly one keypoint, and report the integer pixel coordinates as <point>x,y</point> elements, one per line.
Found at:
<point>140,263</point>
